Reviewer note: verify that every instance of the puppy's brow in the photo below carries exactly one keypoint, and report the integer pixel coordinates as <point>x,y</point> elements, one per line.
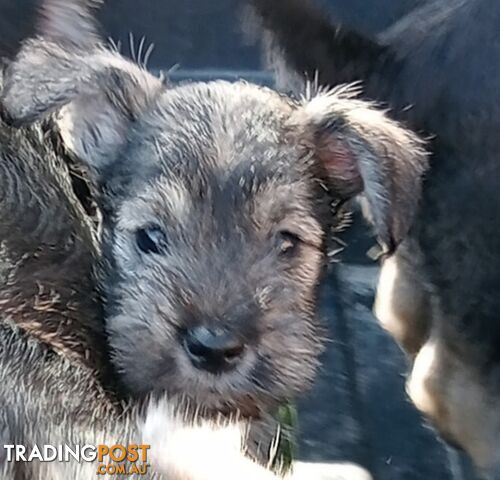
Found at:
<point>165,199</point>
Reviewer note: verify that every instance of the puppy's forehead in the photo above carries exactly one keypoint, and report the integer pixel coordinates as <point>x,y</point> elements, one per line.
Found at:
<point>217,125</point>
<point>220,147</point>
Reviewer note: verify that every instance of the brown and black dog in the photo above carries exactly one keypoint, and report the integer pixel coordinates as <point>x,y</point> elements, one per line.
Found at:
<point>437,69</point>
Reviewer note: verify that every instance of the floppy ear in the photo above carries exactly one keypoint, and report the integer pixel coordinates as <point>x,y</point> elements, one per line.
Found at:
<point>359,149</point>
<point>96,92</point>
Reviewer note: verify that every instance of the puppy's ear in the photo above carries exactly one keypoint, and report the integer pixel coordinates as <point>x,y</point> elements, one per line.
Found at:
<point>359,149</point>
<point>95,92</point>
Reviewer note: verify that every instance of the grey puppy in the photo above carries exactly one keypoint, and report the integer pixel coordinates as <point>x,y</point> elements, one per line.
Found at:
<point>217,204</point>
<point>53,364</point>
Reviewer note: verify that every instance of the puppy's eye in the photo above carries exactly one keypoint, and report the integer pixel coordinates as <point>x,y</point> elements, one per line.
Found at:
<point>150,239</point>
<point>287,242</point>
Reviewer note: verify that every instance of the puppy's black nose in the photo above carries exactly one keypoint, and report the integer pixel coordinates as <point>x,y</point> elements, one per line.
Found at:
<point>215,351</point>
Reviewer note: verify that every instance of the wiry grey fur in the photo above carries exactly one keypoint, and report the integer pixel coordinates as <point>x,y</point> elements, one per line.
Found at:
<point>437,68</point>
<point>55,387</point>
<point>233,184</point>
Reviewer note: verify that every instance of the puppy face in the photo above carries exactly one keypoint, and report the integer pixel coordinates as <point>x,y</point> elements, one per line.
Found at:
<point>216,203</point>
<point>215,249</point>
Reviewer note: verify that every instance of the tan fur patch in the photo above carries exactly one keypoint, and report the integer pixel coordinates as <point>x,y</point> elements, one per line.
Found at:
<point>401,305</point>
<point>453,394</point>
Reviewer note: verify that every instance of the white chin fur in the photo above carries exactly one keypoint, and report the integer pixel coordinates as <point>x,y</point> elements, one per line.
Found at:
<point>204,450</point>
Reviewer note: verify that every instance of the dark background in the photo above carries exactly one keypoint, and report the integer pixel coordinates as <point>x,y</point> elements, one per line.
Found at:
<point>358,410</point>
<point>193,34</point>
